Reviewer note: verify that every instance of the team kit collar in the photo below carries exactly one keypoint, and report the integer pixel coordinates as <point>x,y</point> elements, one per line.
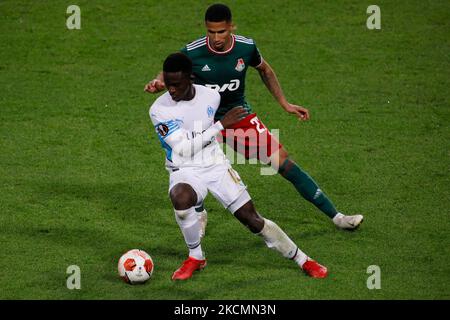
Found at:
<point>210,48</point>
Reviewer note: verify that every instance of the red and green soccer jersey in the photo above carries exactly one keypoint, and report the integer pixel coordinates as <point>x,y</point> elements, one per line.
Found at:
<point>224,71</point>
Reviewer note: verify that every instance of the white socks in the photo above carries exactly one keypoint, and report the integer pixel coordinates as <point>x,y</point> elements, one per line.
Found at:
<point>300,258</point>
<point>277,239</point>
<point>274,237</point>
<point>190,227</point>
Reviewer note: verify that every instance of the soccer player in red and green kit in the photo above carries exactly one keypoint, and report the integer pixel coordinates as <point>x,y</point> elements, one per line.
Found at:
<point>220,61</point>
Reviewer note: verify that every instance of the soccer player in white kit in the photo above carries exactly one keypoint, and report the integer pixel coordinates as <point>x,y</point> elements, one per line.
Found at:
<point>184,121</point>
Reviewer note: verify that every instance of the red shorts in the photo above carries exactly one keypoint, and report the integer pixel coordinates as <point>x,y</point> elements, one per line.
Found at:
<point>251,138</point>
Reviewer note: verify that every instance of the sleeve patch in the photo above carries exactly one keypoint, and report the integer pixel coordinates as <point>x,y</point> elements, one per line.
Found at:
<point>165,129</point>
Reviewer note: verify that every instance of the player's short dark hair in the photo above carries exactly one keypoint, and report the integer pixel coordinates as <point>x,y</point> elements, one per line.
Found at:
<point>217,13</point>
<point>176,62</point>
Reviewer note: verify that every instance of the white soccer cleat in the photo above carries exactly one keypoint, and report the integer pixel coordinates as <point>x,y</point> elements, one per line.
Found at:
<point>203,219</point>
<point>348,222</point>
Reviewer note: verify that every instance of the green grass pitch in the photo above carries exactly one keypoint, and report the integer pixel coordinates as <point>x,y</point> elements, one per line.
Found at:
<point>82,176</point>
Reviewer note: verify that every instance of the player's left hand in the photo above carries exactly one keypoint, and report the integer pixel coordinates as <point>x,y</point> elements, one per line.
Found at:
<point>300,112</point>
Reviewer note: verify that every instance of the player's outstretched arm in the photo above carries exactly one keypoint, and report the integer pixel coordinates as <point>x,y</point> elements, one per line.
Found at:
<point>187,147</point>
<point>156,85</point>
<point>270,79</point>
<point>181,144</point>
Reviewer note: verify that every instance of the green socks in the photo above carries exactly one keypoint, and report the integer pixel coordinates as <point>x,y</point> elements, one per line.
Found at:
<point>307,187</point>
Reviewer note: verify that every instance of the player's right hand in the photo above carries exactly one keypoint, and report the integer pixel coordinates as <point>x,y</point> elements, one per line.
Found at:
<point>233,116</point>
<point>154,86</point>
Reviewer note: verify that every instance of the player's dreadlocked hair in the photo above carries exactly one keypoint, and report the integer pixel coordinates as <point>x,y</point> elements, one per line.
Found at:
<point>176,62</point>
<point>217,13</point>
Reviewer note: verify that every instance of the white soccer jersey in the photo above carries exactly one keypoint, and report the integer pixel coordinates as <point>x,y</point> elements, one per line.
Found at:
<point>177,122</point>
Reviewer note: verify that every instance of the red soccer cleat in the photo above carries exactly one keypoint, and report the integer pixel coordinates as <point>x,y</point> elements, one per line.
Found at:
<point>314,269</point>
<point>187,268</point>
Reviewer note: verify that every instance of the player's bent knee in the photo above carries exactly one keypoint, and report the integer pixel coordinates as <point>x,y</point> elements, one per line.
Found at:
<point>183,196</point>
<point>278,158</point>
<point>248,216</point>
<point>256,223</point>
<point>182,214</point>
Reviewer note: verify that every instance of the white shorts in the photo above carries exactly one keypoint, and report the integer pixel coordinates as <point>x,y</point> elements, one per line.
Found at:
<point>220,179</point>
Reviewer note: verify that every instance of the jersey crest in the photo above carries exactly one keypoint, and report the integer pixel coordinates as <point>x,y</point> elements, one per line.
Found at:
<point>240,65</point>
<point>210,111</point>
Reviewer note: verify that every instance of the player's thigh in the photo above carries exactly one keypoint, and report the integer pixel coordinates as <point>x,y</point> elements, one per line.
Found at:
<point>267,143</point>
<point>251,138</point>
<point>190,177</point>
<point>227,187</point>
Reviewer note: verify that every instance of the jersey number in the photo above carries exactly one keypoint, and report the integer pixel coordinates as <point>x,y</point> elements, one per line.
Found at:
<point>258,125</point>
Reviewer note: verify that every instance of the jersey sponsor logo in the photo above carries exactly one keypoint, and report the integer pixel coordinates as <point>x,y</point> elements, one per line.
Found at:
<point>210,111</point>
<point>232,86</point>
<point>240,65</point>
<point>206,68</point>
